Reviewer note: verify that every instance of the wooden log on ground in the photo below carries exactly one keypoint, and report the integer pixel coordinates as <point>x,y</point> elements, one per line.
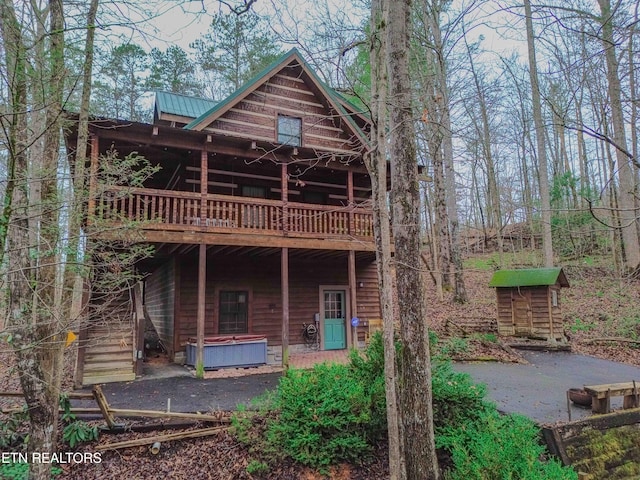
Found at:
<point>72,395</point>
<point>103,405</point>
<point>160,438</point>
<point>590,341</point>
<point>128,413</point>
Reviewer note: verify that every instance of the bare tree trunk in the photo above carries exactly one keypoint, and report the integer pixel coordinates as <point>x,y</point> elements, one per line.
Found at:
<point>416,390</point>
<point>633,90</point>
<point>36,332</point>
<point>73,269</point>
<point>543,172</point>
<point>377,166</point>
<point>484,136</point>
<point>446,135</point>
<point>626,174</point>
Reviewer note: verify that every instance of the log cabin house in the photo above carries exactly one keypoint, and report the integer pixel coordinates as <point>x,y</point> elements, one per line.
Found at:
<point>261,220</point>
<point>529,302</point>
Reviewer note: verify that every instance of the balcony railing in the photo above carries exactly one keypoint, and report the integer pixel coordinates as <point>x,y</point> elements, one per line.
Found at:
<point>173,210</point>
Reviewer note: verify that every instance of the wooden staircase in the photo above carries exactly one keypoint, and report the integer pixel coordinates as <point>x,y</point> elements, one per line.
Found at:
<point>107,345</point>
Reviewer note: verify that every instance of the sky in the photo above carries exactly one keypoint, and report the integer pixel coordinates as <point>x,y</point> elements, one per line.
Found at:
<point>181,22</point>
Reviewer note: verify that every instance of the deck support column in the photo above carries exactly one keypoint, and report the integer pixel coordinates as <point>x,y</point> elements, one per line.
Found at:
<point>285,306</point>
<point>284,188</point>
<point>352,336</point>
<point>204,185</point>
<point>351,226</point>
<point>202,282</point>
<point>93,176</point>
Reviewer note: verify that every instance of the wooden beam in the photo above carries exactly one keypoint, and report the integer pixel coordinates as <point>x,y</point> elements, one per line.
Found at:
<point>139,330</point>
<point>248,240</point>
<point>350,200</point>
<point>353,298</point>
<point>202,280</point>
<point>212,183</point>
<point>284,195</point>
<point>161,438</point>
<point>93,175</point>
<point>78,374</point>
<point>104,406</point>
<point>275,179</point>
<point>171,137</point>
<point>284,280</point>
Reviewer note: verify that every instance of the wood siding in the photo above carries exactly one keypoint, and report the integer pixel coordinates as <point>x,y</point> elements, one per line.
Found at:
<point>256,116</point>
<point>159,301</point>
<point>260,276</point>
<point>528,312</point>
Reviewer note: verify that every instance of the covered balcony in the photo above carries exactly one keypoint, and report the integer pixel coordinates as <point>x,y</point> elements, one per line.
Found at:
<point>233,192</point>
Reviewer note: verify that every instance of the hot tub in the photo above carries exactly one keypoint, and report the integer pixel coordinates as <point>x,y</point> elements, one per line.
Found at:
<point>230,351</point>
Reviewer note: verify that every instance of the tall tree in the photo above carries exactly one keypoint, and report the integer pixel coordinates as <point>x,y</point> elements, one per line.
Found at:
<point>543,172</point>
<point>235,49</point>
<point>33,322</point>
<point>376,163</point>
<point>415,393</point>
<point>173,71</point>
<point>626,173</point>
<point>121,85</point>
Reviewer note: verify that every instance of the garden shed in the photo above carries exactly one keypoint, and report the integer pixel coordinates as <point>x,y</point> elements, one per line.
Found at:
<point>529,302</point>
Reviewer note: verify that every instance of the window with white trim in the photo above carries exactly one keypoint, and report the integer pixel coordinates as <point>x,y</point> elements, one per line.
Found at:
<point>234,312</point>
<point>290,130</point>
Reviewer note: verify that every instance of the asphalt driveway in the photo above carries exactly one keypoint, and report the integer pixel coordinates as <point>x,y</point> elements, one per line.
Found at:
<point>537,390</point>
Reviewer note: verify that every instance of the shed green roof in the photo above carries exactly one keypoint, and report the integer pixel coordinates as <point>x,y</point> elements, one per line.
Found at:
<point>182,105</point>
<point>529,277</point>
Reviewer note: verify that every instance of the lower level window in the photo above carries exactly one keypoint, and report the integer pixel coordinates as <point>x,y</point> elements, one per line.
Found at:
<point>233,312</point>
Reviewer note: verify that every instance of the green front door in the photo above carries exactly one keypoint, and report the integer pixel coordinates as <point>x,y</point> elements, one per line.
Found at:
<point>334,320</point>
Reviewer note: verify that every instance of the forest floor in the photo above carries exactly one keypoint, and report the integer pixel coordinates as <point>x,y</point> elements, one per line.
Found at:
<point>597,306</point>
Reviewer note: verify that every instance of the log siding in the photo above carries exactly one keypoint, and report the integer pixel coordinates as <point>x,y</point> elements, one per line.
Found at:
<point>260,276</point>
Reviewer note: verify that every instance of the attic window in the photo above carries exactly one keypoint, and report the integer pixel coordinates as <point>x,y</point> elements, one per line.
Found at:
<point>290,130</point>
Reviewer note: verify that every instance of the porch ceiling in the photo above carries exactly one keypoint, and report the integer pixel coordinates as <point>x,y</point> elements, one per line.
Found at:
<point>164,251</point>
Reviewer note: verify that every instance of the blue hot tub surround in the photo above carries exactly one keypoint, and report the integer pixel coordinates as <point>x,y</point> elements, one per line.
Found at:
<point>230,351</point>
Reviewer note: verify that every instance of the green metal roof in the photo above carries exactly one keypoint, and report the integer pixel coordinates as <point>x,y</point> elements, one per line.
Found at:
<point>183,105</point>
<point>529,277</point>
<point>237,94</point>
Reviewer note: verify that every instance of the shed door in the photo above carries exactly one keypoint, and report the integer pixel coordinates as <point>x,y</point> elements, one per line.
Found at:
<point>521,302</point>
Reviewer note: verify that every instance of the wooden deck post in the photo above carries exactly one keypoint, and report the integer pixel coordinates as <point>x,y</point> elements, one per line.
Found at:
<point>93,177</point>
<point>83,327</point>
<point>204,185</point>
<point>350,200</point>
<point>285,306</point>
<point>202,282</point>
<point>284,187</point>
<point>353,300</point>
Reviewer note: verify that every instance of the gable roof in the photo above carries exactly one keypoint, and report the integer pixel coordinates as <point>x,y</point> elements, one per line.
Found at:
<point>182,105</point>
<point>529,277</point>
<point>292,58</point>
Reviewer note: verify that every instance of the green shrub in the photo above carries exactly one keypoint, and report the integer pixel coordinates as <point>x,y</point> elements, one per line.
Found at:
<point>495,447</point>
<point>14,431</point>
<point>337,413</point>
<point>324,416</point>
<point>453,347</point>
<point>20,471</point>
<point>255,467</point>
<point>75,431</point>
